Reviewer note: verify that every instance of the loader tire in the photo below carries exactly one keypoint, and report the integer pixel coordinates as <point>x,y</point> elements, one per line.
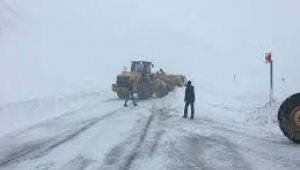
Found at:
<point>144,90</point>
<point>122,95</point>
<point>162,91</point>
<point>289,118</point>
<point>171,88</point>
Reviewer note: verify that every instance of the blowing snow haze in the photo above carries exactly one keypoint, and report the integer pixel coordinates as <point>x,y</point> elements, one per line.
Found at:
<point>61,46</point>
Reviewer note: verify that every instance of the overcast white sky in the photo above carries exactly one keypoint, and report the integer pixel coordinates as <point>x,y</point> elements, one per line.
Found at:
<point>53,46</point>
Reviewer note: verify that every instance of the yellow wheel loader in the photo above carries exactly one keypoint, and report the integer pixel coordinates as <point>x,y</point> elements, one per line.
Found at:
<point>145,83</point>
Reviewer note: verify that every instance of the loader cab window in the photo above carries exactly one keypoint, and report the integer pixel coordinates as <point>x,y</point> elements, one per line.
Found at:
<point>135,66</point>
<point>147,68</point>
<point>140,67</point>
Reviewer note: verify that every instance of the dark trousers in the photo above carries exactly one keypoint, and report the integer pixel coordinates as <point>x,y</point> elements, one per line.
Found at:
<point>129,96</point>
<point>186,109</point>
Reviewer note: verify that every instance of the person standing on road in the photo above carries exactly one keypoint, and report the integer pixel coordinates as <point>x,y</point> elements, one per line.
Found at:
<point>189,99</point>
<point>130,94</point>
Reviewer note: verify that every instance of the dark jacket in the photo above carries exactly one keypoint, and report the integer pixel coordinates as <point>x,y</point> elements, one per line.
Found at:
<point>189,94</point>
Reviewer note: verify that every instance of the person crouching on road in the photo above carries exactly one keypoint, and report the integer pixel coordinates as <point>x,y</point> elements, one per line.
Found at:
<point>189,99</point>
<point>130,94</point>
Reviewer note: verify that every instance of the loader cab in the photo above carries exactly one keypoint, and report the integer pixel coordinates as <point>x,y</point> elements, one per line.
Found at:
<point>143,67</point>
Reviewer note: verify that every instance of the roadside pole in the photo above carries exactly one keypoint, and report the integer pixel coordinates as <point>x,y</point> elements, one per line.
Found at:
<point>271,83</point>
<point>268,59</point>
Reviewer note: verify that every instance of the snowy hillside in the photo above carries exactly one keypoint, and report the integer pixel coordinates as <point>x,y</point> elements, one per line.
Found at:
<point>51,47</point>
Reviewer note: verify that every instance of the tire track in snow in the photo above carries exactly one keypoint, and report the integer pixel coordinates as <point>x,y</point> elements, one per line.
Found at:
<point>263,142</point>
<point>134,153</point>
<point>205,152</point>
<point>37,149</point>
<point>78,163</point>
<point>144,142</point>
<point>267,150</point>
<point>63,115</point>
<point>119,157</point>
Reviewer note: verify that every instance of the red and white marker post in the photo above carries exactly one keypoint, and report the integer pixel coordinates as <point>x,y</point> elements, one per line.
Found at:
<point>268,59</point>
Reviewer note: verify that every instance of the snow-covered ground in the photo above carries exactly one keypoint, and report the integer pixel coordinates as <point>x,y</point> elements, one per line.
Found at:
<point>92,131</point>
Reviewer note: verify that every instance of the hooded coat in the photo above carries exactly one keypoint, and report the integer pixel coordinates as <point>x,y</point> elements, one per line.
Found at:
<point>189,94</point>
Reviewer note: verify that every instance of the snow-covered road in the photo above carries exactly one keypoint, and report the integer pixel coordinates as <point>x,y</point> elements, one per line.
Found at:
<point>92,131</point>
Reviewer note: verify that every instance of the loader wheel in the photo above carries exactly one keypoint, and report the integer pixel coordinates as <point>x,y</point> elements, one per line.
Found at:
<point>122,95</point>
<point>171,88</point>
<point>161,91</point>
<point>144,90</point>
<point>289,118</point>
